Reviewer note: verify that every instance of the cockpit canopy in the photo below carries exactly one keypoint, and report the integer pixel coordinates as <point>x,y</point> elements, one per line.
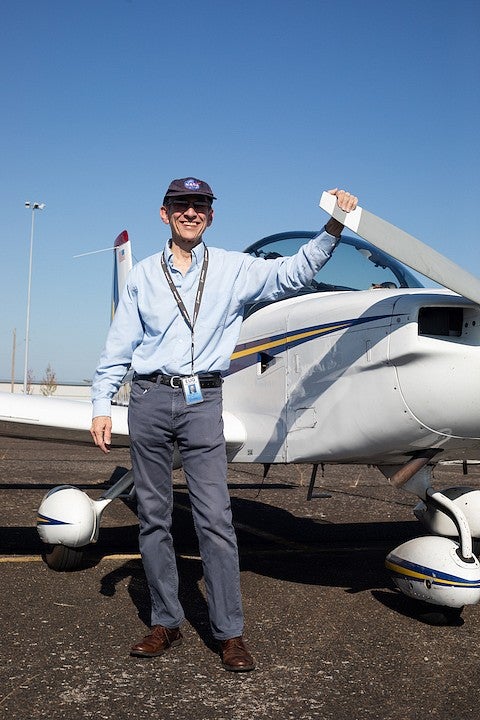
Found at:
<point>355,264</point>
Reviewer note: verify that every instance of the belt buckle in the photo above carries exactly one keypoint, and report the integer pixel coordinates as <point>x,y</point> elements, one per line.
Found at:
<point>172,379</point>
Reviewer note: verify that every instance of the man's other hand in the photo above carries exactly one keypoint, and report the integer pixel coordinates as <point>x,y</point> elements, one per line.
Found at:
<point>101,432</point>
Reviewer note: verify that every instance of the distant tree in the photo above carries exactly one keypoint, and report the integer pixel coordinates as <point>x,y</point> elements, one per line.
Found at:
<point>30,381</point>
<point>49,382</point>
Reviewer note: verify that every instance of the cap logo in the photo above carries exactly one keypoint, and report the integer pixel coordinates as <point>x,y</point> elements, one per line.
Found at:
<point>191,184</point>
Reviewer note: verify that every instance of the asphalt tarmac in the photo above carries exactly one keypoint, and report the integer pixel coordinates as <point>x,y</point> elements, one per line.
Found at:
<point>331,636</point>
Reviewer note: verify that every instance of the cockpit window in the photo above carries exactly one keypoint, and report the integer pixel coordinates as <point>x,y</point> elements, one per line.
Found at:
<point>355,264</point>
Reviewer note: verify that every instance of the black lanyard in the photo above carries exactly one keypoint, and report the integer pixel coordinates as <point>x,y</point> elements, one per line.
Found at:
<point>198,297</point>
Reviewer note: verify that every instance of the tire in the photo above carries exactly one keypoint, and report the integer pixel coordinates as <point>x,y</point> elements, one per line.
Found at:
<point>62,558</point>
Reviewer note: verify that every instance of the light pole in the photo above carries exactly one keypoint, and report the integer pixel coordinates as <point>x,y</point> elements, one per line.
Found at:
<point>33,206</point>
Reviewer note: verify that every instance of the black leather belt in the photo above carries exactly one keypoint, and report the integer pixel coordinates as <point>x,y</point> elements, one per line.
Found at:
<point>207,380</point>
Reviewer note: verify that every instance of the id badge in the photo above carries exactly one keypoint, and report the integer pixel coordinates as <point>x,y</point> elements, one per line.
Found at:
<point>192,390</point>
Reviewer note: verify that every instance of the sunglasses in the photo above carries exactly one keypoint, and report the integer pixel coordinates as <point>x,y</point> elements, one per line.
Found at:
<point>198,205</point>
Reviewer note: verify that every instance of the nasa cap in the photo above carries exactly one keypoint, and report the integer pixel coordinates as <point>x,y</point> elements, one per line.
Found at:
<point>189,186</point>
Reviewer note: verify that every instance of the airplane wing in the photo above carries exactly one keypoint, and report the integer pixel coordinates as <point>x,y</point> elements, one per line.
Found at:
<point>405,248</point>
<point>60,419</point>
<point>51,418</point>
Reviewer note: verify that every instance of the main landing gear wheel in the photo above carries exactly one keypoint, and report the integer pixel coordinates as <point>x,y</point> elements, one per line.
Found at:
<point>62,558</point>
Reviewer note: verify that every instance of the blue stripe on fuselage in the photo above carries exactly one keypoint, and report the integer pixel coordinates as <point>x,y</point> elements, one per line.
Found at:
<point>246,354</point>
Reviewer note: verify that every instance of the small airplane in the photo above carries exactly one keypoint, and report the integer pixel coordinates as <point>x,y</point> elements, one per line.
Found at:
<point>364,366</point>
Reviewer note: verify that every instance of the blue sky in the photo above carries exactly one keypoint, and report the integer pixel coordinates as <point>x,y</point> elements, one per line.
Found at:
<point>270,101</point>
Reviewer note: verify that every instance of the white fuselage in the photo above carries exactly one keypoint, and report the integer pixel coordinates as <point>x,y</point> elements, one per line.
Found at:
<point>347,377</point>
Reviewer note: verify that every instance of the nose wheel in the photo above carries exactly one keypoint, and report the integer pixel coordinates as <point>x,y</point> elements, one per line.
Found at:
<point>62,558</point>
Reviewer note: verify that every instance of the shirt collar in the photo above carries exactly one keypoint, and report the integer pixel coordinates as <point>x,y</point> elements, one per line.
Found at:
<point>198,253</point>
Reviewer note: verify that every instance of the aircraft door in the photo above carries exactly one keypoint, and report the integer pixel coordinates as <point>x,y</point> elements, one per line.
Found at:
<point>311,357</point>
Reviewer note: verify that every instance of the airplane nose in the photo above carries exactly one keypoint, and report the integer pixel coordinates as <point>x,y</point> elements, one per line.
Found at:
<point>436,361</point>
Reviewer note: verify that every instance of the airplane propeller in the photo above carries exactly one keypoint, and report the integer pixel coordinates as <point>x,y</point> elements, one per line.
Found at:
<point>405,248</point>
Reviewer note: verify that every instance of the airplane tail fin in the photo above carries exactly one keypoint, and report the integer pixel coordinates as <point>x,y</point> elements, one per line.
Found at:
<point>122,264</point>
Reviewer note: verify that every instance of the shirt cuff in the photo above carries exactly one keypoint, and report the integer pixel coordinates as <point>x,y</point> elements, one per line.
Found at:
<point>334,227</point>
<point>103,407</point>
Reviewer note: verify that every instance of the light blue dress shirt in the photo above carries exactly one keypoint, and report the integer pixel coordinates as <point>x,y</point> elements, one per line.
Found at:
<point>149,334</point>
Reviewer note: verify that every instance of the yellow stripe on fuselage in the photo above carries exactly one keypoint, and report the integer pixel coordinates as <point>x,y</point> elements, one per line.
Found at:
<point>287,340</point>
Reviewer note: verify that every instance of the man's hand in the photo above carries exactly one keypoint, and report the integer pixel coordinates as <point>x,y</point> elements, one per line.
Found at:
<point>345,202</point>
<point>101,432</point>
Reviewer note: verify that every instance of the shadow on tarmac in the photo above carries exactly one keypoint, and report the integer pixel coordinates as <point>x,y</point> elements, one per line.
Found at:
<point>272,541</point>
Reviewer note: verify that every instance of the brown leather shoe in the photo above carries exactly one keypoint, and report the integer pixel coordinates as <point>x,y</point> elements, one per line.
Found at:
<point>158,642</point>
<point>235,656</point>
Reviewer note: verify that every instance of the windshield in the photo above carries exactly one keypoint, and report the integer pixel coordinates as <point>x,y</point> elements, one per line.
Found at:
<point>355,264</point>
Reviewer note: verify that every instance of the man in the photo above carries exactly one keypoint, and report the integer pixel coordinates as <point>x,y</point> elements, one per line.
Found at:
<point>176,325</point>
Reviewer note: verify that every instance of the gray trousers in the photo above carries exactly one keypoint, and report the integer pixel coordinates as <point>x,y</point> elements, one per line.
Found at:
<point>158,416</point>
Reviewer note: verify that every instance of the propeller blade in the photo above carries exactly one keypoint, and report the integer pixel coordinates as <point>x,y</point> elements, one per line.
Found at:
<point>405,248</point>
